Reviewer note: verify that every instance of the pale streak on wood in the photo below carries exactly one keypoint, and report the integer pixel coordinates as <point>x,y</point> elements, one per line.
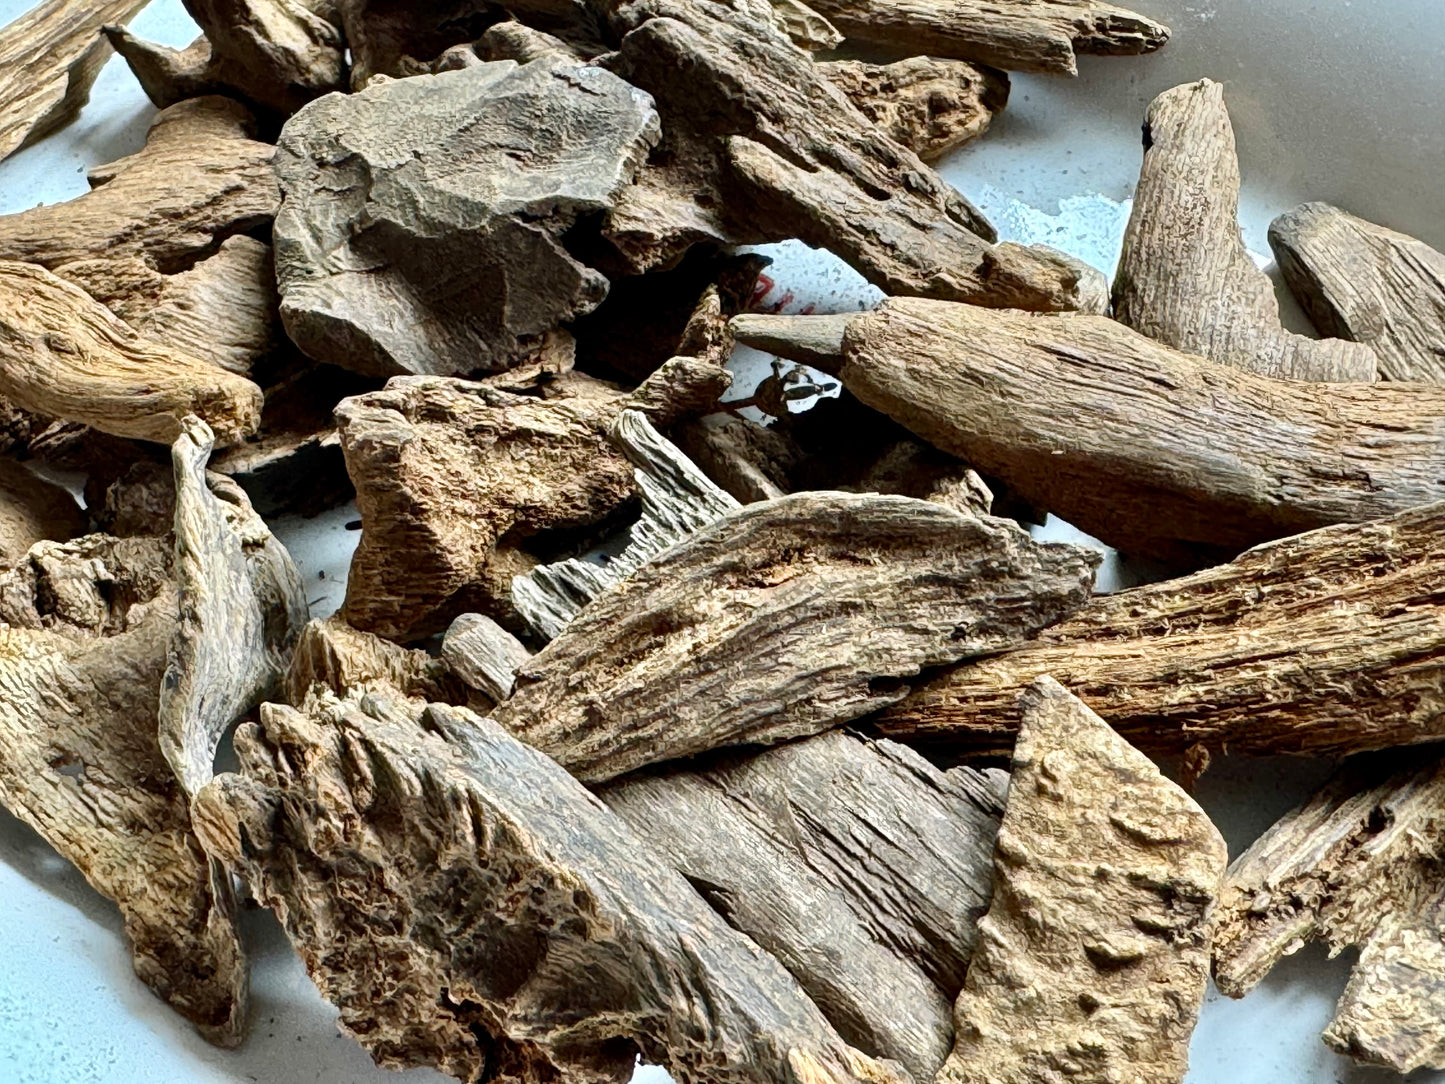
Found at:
<point>1093,958</point>
<point>33,510</point>
<point>483,655</point>
<point>1017,35</point>
<point>677,500</point>
<point>784,619</point>
<point>1368,284</point>
<point>449,888</point>
<point>807,29</point>
<point>861,867</point>
<point>1355,865</point>
<point>64,355</point>
<point>278,53</point>
<point>199,179</point>
<point>332,654</point>
<point>84,629</point>
<point>1184,277</point>
<point>1330,642</point>
<point>49,58</point>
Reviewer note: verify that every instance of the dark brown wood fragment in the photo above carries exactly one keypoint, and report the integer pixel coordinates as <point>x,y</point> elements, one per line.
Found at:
<point>468,905</point>
<point>332,654</point>
<point>33,510</point>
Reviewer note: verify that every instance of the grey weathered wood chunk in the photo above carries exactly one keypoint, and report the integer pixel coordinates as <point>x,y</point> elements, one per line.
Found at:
<point>483,655</point>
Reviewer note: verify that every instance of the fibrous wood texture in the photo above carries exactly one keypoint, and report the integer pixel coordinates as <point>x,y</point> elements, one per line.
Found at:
<point>1159,453</point>
<point>483,655</point>
<point>32,510</point>
<point>857,864</point>
<point>1358,864</point>
<point>783,619</point>
<point>84,630</point>
<point>1092,960</point>
<point>49,58</point>
<point>1368,284</point>
<point>64,355</point>
<point>448,887</point>
<point>1184,275</point>
<point>199,179</point>
<point>1017,35</point>
<point>332,654</point>
<point>416,238</point>
<point>1329,642</point>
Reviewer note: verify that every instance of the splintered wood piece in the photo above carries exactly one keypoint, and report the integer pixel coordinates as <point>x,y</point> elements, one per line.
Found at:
<point>930,106</point>
<point>64,355</point>
<point>199,179</point>
<point>241,607</point>
<point>1358,864</point>
<point>1329,642</point>
<point>1092,960</point>
<point>49,58</point>
<point>168,76</point>
<point>33,510</point>
<point>469,905</point>
<point>1159,453</point>
<point>859,865</point>
<point>677,500</point>
<point>483,655</point>
<point>784,619</point>
<point>332,654</point>
<point>278,53</point>
<point>1368,284</point>
<point>84,631</point>
<point>1184,275</point>
<point>1017,35</point>
<point>410,177</point>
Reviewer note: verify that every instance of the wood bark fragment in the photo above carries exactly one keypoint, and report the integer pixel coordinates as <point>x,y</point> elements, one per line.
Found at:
<point>1158,453</point>
<point>62,354</point>
<point>483,655</point>
<point>434,957</point>
<point>1093,957</point>
<point>784,619</point>
<point>84,629</point>
<point>1185,277</point>
<point>33,510</point>
<point>861,867</point>
<point>1358,864</point>
<point>1328,642</point>
<point>1017,35</point>
<point>332,654</point>
<point>1368,284</point>
<point>49,58</point>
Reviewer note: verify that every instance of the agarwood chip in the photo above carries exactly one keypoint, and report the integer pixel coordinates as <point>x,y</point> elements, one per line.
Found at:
<point>1093,957</point>
<point>33,510</point>
<point>168,76</point>
<point>805,27</point>
<point>483,655</point>
<point>468,905</point>
<point>332,654</point>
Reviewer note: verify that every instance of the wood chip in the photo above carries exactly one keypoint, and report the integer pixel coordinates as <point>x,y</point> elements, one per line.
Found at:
<point>1329,642</point>
<point>33,510</point>
<point>483,655</point>
<point>1184,276</point>
<point>168,76</point>
<point>1093,957</point>
<point>278,53</point>
<point>332,654</point>
<point>1368,284</point>
<point>393,848</point>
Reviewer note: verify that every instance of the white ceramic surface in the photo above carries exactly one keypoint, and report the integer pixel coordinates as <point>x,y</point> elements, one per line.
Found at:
<point>1331,99</point>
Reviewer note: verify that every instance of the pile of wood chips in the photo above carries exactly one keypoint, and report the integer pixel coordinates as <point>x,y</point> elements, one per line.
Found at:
<point>617,747</point>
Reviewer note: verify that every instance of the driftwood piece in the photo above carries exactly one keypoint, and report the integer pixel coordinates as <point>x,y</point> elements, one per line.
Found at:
<point>1159,453</point>
<point>859,865</point>
<point>930,106</point>
<point>1329,642</point>
<point>1184,275</point>
<point>416,238</point>
<point>469,905</point>
<point>199,179</point>
<point>784,619</point>
<point>1017,35</point>
<point>62,354</point>
<point>1093,957</point>
<point>84,629</point>
<point>1357,864</point>
<point>49,58</point>
<point>1368,284</point>
<point>33,510</point>
<point>483,655</point>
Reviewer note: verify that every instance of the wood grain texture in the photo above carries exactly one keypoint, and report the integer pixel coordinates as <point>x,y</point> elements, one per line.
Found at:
<point>784,619</point>
<point>1184,276</point>
<point>483,655</point>
<point>279,54</point>
<point>331,654</point>
<point>1329,642</point>
<point>1368,284</point>
<point>84,632</point>
<point>1016,35</point>
<point>64,355</point>
<point>1093,958</point>
<point>33,510</point>
<point>469,905</point>
<point>168,76</point>
<point>1356,865</point>
<point>49,58</point>
<point>861,867</point>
